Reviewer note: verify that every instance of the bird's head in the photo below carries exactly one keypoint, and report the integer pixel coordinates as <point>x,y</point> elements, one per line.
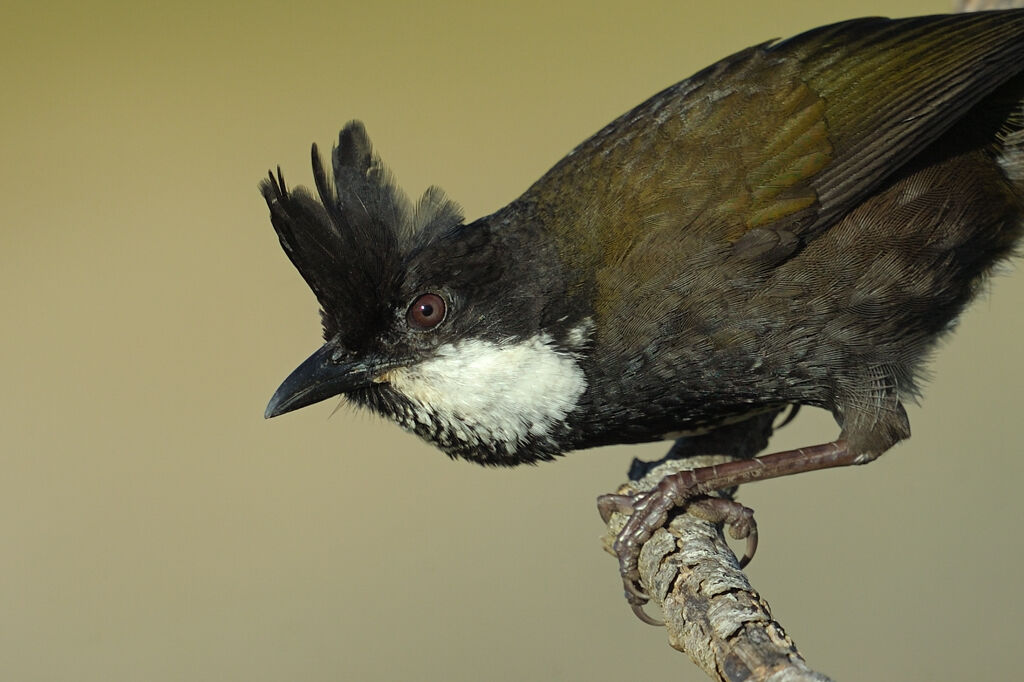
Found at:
<point>460,333</point>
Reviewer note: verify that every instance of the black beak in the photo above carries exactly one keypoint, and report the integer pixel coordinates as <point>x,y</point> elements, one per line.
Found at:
<point>318,378</point>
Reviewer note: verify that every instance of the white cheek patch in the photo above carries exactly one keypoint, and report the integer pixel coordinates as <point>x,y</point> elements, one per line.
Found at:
<point>501,394</point>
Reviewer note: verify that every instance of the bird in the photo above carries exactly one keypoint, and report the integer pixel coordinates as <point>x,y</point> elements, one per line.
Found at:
<point>797,224</point>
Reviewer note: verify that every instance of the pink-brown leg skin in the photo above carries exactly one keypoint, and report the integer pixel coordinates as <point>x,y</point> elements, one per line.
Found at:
<point>650,508</point>
<point>736,517</point>
<point>649,512</point>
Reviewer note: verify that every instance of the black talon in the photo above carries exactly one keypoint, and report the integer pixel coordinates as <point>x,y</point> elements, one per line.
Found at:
<point>751,549</point>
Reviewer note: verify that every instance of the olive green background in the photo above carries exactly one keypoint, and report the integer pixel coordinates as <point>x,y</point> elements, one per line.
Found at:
<point>154,527</point>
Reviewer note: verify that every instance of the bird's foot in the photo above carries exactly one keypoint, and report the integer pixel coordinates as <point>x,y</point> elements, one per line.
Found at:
<point>649,511</point>
<point>690,488</point>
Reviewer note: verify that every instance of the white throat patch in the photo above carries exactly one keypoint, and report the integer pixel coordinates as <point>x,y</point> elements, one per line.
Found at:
<point>500,394</point>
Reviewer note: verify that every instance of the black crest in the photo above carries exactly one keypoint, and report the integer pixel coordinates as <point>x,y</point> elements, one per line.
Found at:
<point>351,243</point>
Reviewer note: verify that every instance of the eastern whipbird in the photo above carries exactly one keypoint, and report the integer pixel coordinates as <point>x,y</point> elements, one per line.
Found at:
<point>797,224</point>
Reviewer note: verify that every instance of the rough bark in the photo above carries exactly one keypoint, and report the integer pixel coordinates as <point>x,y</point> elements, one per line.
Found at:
<point>711,611</point>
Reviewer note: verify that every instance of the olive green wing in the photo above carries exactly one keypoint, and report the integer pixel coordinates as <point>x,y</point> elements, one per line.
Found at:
<point>765,149</point>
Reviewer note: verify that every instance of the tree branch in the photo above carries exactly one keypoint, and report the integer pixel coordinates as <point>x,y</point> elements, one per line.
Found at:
<point>711,611</point>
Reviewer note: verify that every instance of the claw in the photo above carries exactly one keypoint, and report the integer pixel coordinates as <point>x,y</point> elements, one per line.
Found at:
<point>751,549</point>
<point>638,610</point>
<point>689,487</point>
<point>637,599</point>
<point>609,504</point>
<point>737,518</point>
<point>635,593</point>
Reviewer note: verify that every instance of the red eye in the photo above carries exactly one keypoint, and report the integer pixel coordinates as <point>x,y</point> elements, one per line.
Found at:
<point>426,312</point>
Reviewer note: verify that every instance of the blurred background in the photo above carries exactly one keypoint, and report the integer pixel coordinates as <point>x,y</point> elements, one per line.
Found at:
<point>154,527</point>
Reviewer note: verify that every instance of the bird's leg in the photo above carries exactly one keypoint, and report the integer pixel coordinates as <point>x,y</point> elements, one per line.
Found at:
<point>649,509</point>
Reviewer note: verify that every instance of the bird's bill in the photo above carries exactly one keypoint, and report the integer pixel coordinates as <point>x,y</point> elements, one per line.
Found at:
<point>319,378</point>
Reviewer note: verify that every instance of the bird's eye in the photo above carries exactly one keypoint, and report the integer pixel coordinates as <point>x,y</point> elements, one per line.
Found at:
<point>426,312</point>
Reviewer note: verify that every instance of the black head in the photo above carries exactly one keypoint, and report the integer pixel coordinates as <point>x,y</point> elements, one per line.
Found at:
<point>450,329</point>
<point>351,242</point>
